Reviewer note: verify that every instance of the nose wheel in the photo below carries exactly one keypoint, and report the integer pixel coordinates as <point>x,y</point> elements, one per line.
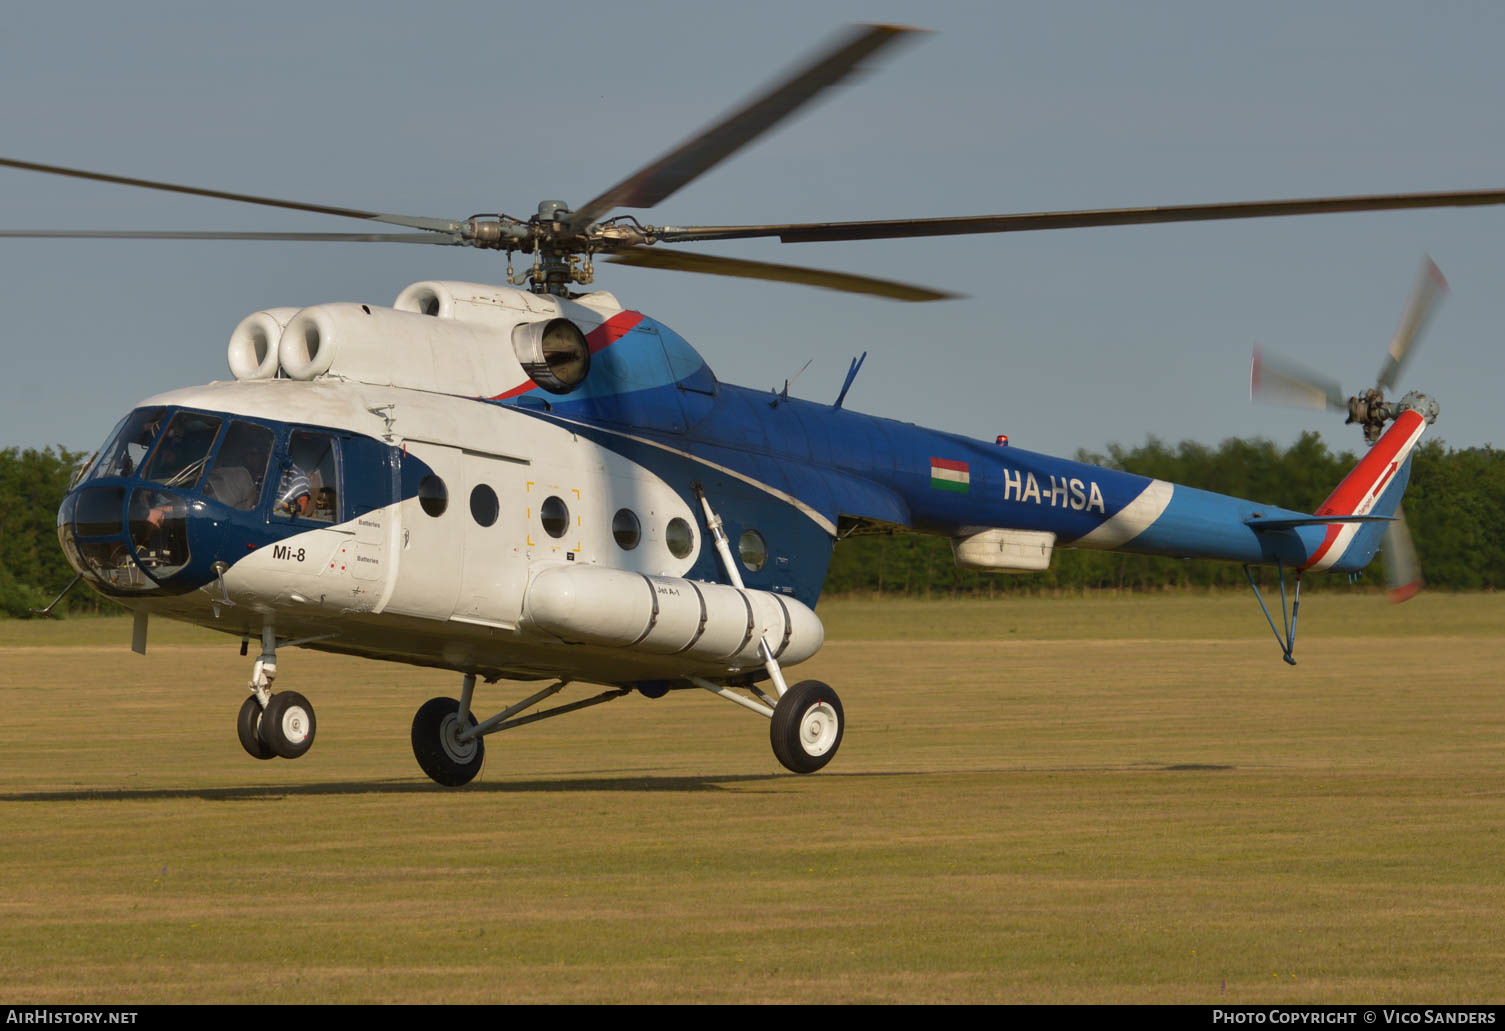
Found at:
<point>248,729</point>
<point>284,728</point>
<point>272,725</point>
<point>287,724</point>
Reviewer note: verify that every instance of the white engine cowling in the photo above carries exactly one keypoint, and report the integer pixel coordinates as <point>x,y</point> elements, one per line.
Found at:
<point>254,344</point>
<point>669,615</point>
<point>500,306</point>
<point>397,348</point>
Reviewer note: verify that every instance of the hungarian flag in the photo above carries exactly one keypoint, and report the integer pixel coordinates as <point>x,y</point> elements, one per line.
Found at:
<point>948,475</point>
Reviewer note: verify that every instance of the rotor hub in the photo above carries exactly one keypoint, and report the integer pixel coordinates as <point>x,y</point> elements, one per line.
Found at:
<point>1371,411</point>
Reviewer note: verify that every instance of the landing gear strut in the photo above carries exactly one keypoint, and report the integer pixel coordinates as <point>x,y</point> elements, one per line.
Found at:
<point>807,720</point>
<point>272,725</point>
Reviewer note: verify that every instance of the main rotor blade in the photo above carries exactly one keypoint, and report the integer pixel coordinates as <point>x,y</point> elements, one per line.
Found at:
<point>813,232</point>
<point>412,221</point>
<point>710,264</point>
<point>702,152</point>
<point>186,234</point>
<point>1430,286</point>
<point>1278,381</point>
<point>1402,567</point>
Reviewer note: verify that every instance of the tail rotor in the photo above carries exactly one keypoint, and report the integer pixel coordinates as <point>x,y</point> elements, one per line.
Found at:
<point>1280,381</point>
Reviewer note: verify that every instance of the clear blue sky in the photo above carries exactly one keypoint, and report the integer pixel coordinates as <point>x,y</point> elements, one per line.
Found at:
<point>1068,339</point>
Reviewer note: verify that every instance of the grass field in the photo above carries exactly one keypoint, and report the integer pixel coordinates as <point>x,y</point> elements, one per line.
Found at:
<point>1111,799</point>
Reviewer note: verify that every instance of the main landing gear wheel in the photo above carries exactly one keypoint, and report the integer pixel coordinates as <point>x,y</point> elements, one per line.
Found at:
<point>287,725</point>
<point>248,729</point>
<point>807,726</point>
<point>437,745</point>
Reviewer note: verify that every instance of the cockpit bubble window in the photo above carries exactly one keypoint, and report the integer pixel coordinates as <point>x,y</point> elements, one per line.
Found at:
<point>309,487</point>
<point>109,563</point>
<point>240,468</point>
<point>159,531</point>
<point>179,457</point>
<point>98,511</point>
<point>130,442</point>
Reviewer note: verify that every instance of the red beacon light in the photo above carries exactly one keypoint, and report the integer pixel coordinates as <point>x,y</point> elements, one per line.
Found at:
<point>1003,440</point>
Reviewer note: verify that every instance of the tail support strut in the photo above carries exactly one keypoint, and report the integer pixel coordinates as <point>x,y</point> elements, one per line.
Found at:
<point>1288,642</point>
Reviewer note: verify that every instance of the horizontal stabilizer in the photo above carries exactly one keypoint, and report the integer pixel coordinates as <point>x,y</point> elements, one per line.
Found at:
<point>1258,523</point>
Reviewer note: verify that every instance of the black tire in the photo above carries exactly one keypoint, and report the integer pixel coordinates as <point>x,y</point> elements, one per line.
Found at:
<point>447,760</point>
<point>248,729</point>
<point>288,724</point>
<point>807,726</point>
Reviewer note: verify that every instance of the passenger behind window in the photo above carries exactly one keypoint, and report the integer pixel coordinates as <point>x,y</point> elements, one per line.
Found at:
<point>308,489</point>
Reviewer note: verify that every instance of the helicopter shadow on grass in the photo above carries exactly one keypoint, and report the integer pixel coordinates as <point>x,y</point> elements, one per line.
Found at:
<point>263,792</point>
<point>577,785</point>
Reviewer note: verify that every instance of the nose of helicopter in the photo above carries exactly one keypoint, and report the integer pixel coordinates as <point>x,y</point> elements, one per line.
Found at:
<point>125,538</point>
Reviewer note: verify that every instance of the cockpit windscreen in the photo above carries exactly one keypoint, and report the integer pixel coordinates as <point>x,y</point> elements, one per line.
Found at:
<point>184,448</point>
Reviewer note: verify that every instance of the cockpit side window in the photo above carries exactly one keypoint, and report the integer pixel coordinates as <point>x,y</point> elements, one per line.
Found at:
<point>310,483</point>
<point>182,452</point>
<point>130,442</point>
<point>240,468</point>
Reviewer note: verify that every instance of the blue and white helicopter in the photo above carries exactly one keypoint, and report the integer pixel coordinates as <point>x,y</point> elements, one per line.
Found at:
<point>529,483</point>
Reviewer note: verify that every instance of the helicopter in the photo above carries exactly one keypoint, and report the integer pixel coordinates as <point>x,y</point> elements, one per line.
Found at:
<point>532,483</point>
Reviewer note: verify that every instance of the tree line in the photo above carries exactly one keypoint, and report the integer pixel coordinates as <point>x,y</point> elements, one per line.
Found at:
<point>32,567</point>
<point>1455,506</point>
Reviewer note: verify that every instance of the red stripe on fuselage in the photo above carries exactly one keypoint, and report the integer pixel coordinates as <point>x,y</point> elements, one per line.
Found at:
<point>613,329</point>
<point>1362,486</point>
<point>603,336</point>
<point>946,463</point>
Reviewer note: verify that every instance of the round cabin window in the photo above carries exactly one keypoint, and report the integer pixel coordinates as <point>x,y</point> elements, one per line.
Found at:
<point>556,517</point>
<point>753,550</point>
<point>484,507</point>
<point>626,529</point>
<point>433,495</point>
<point>679,537</point>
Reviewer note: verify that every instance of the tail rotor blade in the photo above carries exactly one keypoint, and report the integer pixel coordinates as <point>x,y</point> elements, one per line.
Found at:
<point>1430,288</point>
<point>1278,381</point>
<point>1402,568</point>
